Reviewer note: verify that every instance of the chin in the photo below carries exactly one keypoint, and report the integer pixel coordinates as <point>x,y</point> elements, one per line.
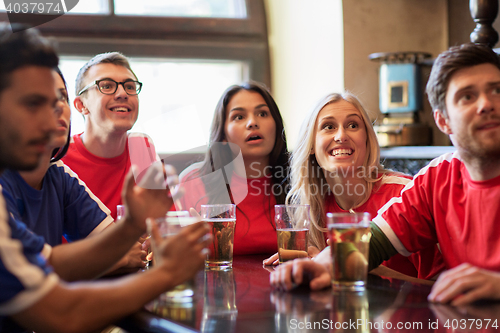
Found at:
<point>60,142</point>
<point>26,165</point>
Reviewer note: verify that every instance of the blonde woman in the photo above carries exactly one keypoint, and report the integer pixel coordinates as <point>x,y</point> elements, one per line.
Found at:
<point>336,168</point>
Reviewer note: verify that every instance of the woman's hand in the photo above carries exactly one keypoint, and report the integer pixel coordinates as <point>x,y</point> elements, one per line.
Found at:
<point>272,260</point>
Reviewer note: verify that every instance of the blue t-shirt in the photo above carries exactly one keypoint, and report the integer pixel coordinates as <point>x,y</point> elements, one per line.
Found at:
<point>25,277</point>
<point>63,207</point>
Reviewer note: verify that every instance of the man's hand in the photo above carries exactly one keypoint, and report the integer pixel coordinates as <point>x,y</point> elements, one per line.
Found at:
<point>293,273</point>
<point>465,284</point>
<point>142,203</point>
<point>131,262</point>
<point>183,254</point>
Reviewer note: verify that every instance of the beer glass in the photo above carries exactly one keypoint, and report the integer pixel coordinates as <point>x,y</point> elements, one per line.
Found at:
<point>349,242</point>
<point>169,226</point>
<point>292,230</point>
<point>222,220</point>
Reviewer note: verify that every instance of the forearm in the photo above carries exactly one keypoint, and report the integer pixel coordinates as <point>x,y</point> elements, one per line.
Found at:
<point>324,258</point>
<point>92,256</point>
<point>381,248</point>
<point>87,307</point>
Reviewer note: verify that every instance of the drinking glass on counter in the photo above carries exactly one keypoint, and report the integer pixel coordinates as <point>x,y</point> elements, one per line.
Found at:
<point>222,220</point>
<point>292,230</point>
<point>170,226</point>
<point>349,243</point>
<point>183,313</point>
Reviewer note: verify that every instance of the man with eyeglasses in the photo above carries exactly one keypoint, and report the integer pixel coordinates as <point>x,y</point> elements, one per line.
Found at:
<point>107,96</point>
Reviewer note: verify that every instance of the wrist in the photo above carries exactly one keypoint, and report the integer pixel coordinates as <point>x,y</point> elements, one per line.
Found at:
<point>131,229</point>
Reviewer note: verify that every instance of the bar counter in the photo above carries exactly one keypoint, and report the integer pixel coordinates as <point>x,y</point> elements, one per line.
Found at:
<point>241,300</point>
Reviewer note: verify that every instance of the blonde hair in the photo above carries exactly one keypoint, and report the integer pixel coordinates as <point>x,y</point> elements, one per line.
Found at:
<point>306,174</point>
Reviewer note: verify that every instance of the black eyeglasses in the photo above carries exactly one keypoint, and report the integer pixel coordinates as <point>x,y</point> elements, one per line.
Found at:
<point>109,87</point>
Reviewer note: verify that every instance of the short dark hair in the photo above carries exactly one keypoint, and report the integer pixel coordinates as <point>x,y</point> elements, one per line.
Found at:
<point>23,48</point>
<point>115,58</point>
<point>451,61</point>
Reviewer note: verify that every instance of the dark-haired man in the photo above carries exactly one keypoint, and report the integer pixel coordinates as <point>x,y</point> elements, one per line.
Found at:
<point>32,296</point>
<point>455,200</point>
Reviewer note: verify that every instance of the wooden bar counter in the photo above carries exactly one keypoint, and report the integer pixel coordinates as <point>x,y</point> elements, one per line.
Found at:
<point>241,300</point>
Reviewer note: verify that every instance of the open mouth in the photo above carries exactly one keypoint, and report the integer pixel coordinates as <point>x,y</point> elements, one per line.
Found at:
<point>341,152</point>
<point>253,138</point>
<point>120,109</point>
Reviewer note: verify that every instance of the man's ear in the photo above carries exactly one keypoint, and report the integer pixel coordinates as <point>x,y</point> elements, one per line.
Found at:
<point>442,122</point>
<point>78,103</point>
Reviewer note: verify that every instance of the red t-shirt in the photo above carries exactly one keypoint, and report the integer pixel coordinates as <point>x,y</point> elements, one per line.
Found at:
<point>426,263</point>
<point>254,231</point>
<point>105,176</point>
<point>442,204</point>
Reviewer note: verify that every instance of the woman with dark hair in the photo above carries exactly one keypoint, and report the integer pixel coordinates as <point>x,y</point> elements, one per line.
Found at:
<point>246,164</point>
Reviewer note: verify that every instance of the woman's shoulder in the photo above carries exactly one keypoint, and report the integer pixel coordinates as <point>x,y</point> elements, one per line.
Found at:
<point>395,178</point>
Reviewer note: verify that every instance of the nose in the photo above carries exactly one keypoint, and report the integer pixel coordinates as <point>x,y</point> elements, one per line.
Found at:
<point>252,122</point>
<point>340,135</point>
<point>485,104</point>
<point>120,92</point>
<point>59,108</point>
<point>47,119</point>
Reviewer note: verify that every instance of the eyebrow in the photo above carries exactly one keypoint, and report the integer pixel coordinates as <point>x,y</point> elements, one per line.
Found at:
<point>238,108</point>
<point>350,115</point>
<point>470,86</point>
<point>38,98</point>
<point>108,78</point>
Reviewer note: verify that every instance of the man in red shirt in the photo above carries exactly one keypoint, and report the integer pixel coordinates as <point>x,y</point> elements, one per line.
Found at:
<point>107,96</point>
<point>455,200</point>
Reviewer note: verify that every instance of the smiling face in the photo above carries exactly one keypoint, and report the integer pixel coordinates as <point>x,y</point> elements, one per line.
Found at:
<point>249,124</point>
<point>105,114</point>
<point>473,111</point>
<point>340,137</point>
<point>27,119</point>
<point>63,113</point>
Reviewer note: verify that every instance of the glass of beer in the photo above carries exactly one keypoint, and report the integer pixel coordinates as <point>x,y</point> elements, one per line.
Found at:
<point>222,220</point>
<point>169,226</point>
<point>349,242</point>
<point>292,229</point>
